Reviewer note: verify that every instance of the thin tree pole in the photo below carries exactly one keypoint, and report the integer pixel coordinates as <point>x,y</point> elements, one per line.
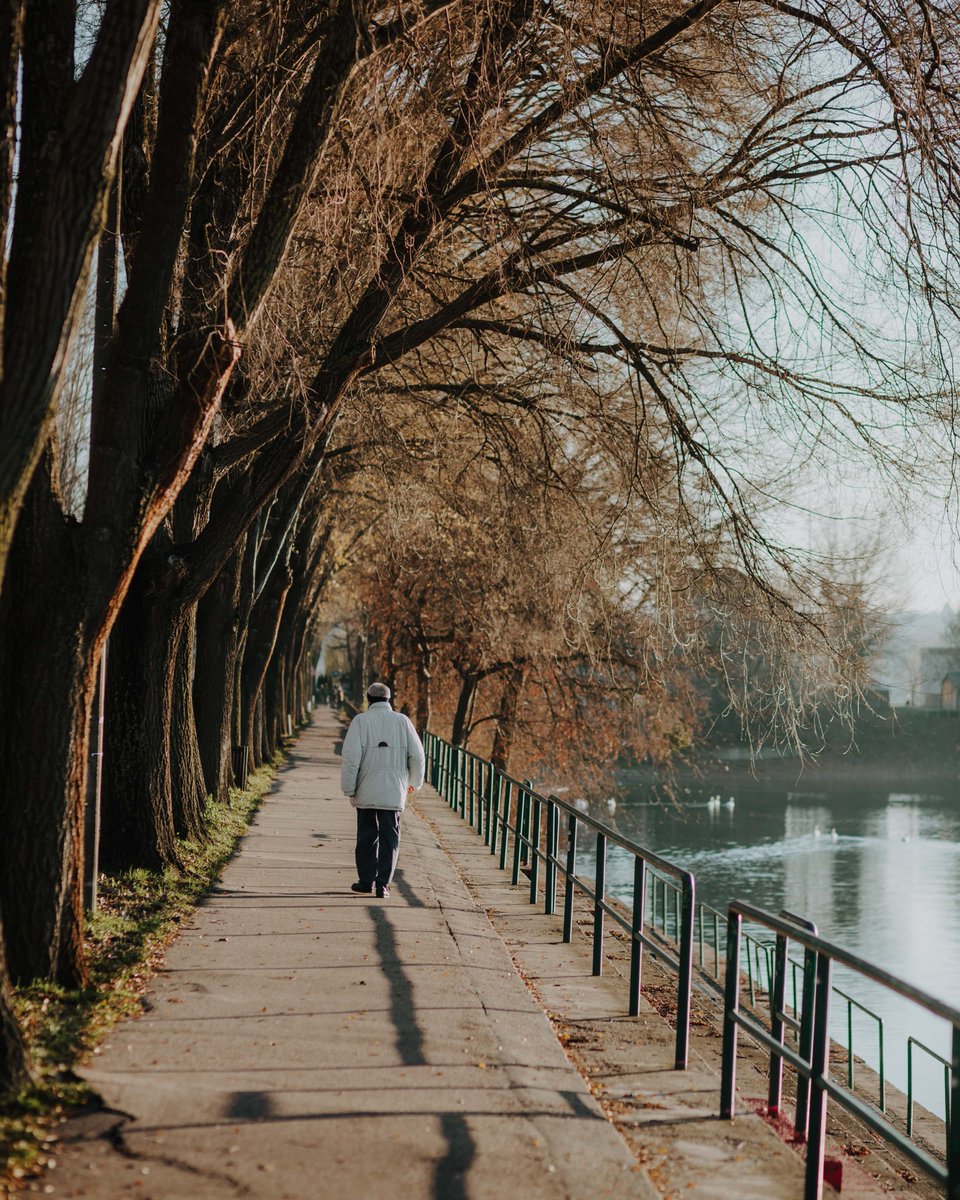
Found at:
<point>104,321</point>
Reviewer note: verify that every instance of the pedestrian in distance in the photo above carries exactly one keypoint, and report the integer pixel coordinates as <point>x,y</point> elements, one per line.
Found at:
<point>383,762</point>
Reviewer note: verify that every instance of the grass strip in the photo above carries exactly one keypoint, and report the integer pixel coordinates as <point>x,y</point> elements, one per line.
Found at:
<point>138,914</point>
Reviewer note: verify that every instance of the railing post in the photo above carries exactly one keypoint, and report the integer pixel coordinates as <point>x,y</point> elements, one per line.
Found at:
<point>556,857</point>
<point>550,875</point>
<point>462,780</point>
<point>505,825</point>
<point>471,774</point>
<point>525,853</point>
<point>535,849</point>
<point>523,799</point>
<point>685,982</point>
<point>953,1121</point>
<point>495,811</point>
<point>482,767</point>
<point>547,847</point>
<point>778,992</point>
<point>731,1006</point>
<point>600,889</point>
<point>636,946</point>
<point>568,882</point>
<point>488,803</point>
<point>808,999</point>
<point>819,1070</point>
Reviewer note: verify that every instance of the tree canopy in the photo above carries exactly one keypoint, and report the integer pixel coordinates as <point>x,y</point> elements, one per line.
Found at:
<point>516,317</point>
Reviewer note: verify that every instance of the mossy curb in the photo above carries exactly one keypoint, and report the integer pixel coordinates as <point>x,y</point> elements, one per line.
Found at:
<point>138,915</point>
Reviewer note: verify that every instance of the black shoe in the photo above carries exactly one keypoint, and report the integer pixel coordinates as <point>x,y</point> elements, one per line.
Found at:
<point>383,891</point>
<point>361,887</point>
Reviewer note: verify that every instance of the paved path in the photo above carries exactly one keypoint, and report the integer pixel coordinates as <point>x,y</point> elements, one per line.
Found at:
<point>305,1042</point>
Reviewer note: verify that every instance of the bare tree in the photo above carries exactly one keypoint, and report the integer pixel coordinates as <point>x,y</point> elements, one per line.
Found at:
<point>172,355</point>
<point>69,132</point>
<point>632,197</point>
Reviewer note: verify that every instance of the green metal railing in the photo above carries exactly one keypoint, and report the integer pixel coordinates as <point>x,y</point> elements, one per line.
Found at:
<point>813,1066</point>
<point>759,954</point>
<point>947,1076</point>
<point>523,829</point>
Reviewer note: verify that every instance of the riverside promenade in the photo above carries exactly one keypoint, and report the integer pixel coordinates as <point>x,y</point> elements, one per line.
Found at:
<point>302,1042</point>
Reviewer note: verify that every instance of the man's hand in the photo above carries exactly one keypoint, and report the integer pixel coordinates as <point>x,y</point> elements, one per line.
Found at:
<point>409,789</point>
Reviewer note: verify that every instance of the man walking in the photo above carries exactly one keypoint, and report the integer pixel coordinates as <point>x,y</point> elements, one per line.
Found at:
<point>383,762</point>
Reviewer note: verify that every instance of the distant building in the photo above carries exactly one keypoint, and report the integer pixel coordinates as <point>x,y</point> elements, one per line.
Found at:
<point>936,664</point>
<point>899,665</point>
<point>950,691</point>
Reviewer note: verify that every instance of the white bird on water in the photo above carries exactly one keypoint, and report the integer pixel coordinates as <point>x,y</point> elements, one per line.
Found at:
<point>816,831</point>
<point>581,804</point>
<point>833,835</point>
<point>730,804</point>
<point>713,802</point>
<point>611,804</point>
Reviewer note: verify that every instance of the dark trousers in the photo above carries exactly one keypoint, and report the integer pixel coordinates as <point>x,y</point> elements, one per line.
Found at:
<point>378,844</point>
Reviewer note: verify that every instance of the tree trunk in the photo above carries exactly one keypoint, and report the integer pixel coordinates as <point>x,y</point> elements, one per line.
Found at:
<point>286,662</point>
<point>468,687</point>
<point>258,744</point>
<point>214,683</point>
<point>60,191</point>
<point>388,659</point>
<point>137,816</point>
<point>301,673</point>
<point>365,677</point>
<point>188,791</point>
<point>506,726</point>
<point>274,717</point>
<point>261,639</point>
<point>424,699</point>
<point>47,679</point>
<point>15,1070</point>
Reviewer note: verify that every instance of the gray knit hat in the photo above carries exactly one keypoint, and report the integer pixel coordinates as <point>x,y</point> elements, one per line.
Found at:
<point>378,691</point>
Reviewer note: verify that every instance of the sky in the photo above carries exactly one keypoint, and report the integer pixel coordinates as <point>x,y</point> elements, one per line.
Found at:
<point>917,556</point>
<point>928,568</point>
<point>919,561</point>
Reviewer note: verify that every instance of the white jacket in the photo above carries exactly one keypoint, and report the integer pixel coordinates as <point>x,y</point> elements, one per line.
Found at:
<point>382,757</point>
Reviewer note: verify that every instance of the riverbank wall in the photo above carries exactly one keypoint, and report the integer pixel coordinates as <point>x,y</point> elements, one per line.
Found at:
<point>906,748</point>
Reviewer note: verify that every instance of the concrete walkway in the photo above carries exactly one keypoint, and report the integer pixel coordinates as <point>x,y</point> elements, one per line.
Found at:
<point>306,1042</point>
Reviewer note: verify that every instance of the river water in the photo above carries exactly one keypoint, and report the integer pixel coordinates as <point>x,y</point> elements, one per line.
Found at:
<point>878,871</point>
